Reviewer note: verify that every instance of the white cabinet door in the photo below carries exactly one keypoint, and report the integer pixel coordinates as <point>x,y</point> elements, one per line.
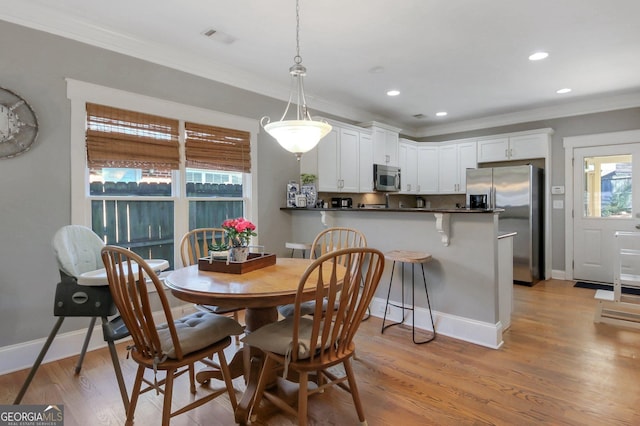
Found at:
<point>385,146</point>
<point>366,163</point>
<point>448,171</point>
<point>427,169</point>
<point>454,159</point>
<point>328,176</point>
<point>493,150</point>
<point>467,159</point>
<point>348,160</point>
<point>528,146</point>
<point>520,147</point>
<point>408,162</point>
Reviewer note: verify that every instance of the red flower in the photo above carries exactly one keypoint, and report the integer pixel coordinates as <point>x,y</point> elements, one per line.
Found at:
<point>239,231</point>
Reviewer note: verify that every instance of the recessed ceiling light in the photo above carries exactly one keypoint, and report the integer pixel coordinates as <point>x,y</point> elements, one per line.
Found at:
<point>393,93</point>
<point>441,113</point>
<point>537,56</point>
<point>562,91</point>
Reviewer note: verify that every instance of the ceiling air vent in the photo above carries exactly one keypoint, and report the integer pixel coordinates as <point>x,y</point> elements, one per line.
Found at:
<point>219,36</point>
<point>419,116</point>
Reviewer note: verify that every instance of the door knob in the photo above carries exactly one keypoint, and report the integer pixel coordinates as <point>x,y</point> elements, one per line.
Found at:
<point>638,226</point>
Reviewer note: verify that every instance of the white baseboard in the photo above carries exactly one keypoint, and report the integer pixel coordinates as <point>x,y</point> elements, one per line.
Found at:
<point>472,331</point>
<point>558,274</point>
<point>23,355</point>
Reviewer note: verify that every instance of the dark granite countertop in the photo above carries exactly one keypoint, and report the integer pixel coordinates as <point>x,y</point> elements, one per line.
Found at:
<point>402,210</point>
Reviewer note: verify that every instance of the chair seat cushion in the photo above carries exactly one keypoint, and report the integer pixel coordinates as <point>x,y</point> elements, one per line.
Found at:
<point>306,308</point>
<point>217,309</point>
<point>197,331</point>
<point>277,337</point>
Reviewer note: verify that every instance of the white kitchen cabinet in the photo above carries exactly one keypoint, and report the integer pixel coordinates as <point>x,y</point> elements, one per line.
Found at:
<point>427,168</point>
<point>328,176</point>
<point>385,142</point>
<point>454,159</point>
<point>448,171</point>
<point>529,146</point>
<point>467,159</point>
<point>366,162</point>
<point>408,162</point>
<point>338,161</point>
<point>513,147</point>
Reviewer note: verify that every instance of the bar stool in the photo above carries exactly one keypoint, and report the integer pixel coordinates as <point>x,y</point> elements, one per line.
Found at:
<point>412,257</point>
<point>298,246</point>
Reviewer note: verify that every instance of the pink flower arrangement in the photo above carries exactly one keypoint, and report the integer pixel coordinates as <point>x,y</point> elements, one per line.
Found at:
<point>239,231</point>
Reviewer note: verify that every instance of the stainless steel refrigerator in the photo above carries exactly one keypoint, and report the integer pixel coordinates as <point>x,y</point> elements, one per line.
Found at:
<point>519,191</point>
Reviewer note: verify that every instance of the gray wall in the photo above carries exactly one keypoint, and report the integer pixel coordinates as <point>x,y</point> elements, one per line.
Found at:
<point>613,121</point>
<point>35,186</point>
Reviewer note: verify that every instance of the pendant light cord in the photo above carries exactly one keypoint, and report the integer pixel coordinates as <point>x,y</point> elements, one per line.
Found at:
<point>297,59</point>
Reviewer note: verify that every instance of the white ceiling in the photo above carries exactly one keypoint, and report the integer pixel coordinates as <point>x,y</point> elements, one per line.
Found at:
<point>466,57</point>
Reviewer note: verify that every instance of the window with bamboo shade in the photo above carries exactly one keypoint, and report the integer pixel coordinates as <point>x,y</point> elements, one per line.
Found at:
<point>217,148</point>
<point>120,138</point>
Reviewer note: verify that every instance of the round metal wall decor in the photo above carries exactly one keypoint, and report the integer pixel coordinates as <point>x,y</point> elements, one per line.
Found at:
<point>18,124</point>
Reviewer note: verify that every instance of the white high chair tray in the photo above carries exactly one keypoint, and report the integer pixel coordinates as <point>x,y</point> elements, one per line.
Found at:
<point>99,276</point>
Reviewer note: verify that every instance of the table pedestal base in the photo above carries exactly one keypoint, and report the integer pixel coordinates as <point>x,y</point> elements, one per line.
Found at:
<point>247,363</point>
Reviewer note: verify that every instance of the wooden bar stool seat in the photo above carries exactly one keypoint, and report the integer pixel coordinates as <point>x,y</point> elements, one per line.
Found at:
<point>298,246</point>
<point>413,258</point>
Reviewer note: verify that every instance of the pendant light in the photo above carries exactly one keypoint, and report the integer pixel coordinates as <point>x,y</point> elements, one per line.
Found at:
<point>299,134</point>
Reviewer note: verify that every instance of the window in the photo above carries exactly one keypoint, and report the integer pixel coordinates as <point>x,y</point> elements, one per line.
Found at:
<point>147,178</point>
<point>607,191</point>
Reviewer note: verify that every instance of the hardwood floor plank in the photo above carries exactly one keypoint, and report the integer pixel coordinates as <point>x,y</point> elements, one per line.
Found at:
<point>556,367</point>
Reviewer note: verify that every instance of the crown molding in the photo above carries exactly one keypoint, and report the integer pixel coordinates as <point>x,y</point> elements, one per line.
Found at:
<point>589,106</point>
<point>52,21</point>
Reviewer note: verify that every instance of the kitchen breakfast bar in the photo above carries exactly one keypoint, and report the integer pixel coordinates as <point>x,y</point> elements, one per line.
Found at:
<point>470,278</point>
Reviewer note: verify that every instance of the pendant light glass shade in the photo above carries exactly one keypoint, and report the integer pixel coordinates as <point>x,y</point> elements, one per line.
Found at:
<point>300,134</point>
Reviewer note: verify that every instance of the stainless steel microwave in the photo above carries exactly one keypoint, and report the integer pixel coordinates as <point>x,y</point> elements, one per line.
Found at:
<point>386,178</point>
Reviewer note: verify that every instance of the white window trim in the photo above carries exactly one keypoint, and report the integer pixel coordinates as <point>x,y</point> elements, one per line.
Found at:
<point>79,93</point>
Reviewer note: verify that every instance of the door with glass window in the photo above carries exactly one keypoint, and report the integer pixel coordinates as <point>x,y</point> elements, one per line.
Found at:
<point>606,200</point>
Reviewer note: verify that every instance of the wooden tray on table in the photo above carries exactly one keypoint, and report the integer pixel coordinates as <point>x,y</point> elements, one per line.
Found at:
<point>254,261</point>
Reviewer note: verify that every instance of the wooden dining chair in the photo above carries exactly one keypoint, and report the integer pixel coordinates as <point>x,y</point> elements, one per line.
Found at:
<point>300,345</point>
<point>328,240</point>
<point>172,346</point>
<point>193,246</point>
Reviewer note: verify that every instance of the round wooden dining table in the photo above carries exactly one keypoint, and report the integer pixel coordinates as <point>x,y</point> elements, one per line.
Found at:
<point>259,291</point>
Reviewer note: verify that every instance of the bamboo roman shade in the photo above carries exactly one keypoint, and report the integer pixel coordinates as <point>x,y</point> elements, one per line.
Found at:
<point>217,148</point>
<point>120,138</point>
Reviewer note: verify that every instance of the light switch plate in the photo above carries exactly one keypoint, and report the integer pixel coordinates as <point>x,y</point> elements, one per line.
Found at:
<point>558,204</point>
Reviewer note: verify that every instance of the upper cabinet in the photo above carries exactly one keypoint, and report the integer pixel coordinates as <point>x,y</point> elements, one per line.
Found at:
<point>456,157</point>
<point>338,155</point>
<point>408,162</point>
<point>428,169</point>
<point>342,161</point>
<point>517,146</point>
<point>366,162</point>
<point>435,168</point>
<point>385,142</point>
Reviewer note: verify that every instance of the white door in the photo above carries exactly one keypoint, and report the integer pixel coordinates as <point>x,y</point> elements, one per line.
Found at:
<point>606,200</point>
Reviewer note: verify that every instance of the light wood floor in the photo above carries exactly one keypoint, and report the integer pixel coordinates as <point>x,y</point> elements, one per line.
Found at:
<point>556,367</point>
